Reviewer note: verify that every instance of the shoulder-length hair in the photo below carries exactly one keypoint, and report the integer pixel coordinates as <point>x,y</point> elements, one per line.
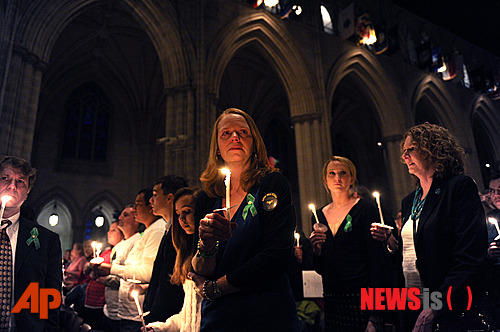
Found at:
<point>212,178</point>
<point>184,244</point>
<point>439,147</point>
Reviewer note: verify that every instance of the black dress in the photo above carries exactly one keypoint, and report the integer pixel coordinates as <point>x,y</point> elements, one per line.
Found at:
<point>349,261</point>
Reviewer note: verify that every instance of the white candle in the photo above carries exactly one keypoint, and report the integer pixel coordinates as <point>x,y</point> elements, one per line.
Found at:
<point>297,237</point>
<point>377,198</point>
<point>98,249</point>
<point>94,244</point>
<point>5,199</point>
<point>227,182</point>
<point>135,295</point>
<point>494,222</point>
<point>313,209</point>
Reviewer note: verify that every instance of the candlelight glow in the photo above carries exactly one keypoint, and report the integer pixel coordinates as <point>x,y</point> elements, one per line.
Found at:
<point>134,294</point>
<point>493,220</point>
<point>376,194</point>
<point>312,207</point>
<point>5,199</point>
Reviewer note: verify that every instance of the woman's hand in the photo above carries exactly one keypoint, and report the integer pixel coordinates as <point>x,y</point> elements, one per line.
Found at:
<point>317,239</point>
<point>298,253</point>
<point>215,227</point>
<point>424,321</point>
<point>379,232</point>
<point>101,269</point>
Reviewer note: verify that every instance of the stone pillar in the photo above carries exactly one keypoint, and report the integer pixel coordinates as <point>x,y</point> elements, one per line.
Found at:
<point>313,148</point>
<point>180,133</point>
<point>401,182</point>
<point>20,104</point>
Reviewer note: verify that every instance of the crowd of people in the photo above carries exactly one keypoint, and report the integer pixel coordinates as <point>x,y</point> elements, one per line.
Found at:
<point>222,257</point>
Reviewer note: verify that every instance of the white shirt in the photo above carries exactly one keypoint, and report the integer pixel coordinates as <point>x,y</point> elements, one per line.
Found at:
<point>189,319</point>
<point>412,276</point>
<point>139,266</point>
<point>121,250</point>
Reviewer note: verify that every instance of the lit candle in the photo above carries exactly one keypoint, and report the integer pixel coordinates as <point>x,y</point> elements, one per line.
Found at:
<point>297,237</point>
<point>313,209</point>
<point>5,199</point>
<point>495,222</point>
<point>98,249</point>
<point>94,245</point>
<point>377,198</point>
<point>135,295</point>
<point>227,182</point>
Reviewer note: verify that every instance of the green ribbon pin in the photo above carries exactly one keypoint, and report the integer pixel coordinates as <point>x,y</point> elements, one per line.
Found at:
<point>250,206</point>
<point>348,225</point>
<point>34,238</point>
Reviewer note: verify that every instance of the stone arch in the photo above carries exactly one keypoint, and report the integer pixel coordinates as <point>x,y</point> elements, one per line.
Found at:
<point>279,48</point>
<point>363,67</point>
<point>431,90</point>
<point>103,203</point>
<point>485,110</point>
<point>65,207</point>
<point>45,20</point>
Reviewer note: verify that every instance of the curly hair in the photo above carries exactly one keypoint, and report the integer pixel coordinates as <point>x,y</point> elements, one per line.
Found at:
<point>439,147</point>
<point>259,167</point>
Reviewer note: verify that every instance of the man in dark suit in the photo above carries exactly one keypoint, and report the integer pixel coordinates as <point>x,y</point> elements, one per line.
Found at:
<point>36,251</point>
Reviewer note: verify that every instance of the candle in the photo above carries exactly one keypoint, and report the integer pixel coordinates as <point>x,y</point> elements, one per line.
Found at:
<point>98,249</point>
<point>5,199</point>
<point>495,222</point>
<point>377,198</point>
<point>297,237</point>
<point>94,244</point>
<point>135,295</point>
<point>313,209</point>
<point>227,182</point>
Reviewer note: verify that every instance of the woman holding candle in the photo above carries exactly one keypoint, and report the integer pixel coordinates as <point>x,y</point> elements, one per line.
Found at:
<point>443,240</point>
<point>241,263</point>
<point>346,255</point>
<point>184,237</point>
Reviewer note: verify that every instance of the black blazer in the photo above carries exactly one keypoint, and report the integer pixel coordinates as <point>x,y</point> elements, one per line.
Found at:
<point>42,265</point>
<point>451,240</point>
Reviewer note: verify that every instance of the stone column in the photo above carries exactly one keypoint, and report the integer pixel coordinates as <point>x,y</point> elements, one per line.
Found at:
<point>20,104</point>
<point>313,148</point>
<point>401,182</point>
<point>180,135</point>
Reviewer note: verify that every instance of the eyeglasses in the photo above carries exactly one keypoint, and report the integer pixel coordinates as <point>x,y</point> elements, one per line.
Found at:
<point>493,191</point>
<point>407,152</point>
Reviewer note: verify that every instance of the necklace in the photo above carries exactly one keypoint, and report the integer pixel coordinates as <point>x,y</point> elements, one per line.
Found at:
<point>418,204</point>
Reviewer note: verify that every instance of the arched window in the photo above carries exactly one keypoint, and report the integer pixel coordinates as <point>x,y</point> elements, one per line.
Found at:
<point>327,20</point>
<point>87,123</point>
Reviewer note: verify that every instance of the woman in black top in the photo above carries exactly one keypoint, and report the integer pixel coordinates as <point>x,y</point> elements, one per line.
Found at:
<point>346,255</point>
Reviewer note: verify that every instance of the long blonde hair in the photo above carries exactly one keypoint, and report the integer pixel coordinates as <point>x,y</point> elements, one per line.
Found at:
<point>259,164</point>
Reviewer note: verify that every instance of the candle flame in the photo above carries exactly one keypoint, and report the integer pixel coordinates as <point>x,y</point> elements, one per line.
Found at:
<point>225,171</point>
<point>5,199</point>
<point>134,294</point>
<point>297,236</point>
<point>312,207</point>
<point>94,244</point>
<point>376,194</point>
<point>493,220</point>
